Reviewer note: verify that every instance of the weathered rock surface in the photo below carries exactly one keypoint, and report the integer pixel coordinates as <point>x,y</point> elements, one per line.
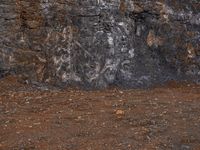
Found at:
<point>96,43</point>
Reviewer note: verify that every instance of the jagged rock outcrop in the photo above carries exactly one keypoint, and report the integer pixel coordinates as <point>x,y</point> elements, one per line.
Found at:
<point>96,43</point>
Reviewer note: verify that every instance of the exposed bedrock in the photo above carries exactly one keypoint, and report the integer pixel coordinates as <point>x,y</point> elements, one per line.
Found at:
<point>97,43</point>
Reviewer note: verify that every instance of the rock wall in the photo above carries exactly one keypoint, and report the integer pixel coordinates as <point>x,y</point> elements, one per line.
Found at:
<point>96,43</point>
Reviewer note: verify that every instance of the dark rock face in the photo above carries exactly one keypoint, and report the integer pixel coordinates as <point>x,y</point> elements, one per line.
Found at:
<point>96,43</point>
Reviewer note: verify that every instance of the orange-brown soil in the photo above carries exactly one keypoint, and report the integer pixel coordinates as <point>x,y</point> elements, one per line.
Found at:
<point>161,118</point>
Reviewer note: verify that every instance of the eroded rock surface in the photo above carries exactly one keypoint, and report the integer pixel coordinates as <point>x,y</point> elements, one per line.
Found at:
<point>96,43</point>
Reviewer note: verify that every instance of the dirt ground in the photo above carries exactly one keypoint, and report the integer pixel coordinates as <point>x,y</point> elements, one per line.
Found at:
<point>161,118</point>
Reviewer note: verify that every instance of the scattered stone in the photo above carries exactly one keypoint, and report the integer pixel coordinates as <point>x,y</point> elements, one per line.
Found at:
<point>119,112</point>
<point>37,123</point>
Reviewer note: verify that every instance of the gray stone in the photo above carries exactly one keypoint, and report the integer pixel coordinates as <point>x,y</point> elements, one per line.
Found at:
<point>97,43</point>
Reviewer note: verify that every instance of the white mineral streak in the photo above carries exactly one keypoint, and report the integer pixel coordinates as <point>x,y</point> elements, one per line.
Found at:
<point>131,52</point>
<point>95,73</point>
<point>110,40</point>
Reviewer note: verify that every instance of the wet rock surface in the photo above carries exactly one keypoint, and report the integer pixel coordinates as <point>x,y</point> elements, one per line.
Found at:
<point>97,43</point>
